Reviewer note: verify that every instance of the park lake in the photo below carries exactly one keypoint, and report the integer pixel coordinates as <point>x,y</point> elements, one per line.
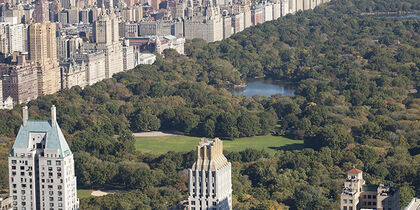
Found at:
<point>266,87</point>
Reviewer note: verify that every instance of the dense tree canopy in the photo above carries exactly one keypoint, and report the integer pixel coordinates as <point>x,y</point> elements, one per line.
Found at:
<point>356,104</point>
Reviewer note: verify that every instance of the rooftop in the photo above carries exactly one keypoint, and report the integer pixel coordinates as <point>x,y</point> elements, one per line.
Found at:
<point>54,137</point>
<point>354,171</point>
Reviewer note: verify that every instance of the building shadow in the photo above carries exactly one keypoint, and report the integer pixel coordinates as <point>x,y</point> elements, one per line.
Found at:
<point>289,147</point>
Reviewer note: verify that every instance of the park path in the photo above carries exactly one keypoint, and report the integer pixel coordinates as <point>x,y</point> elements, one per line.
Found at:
<point>155,134</point>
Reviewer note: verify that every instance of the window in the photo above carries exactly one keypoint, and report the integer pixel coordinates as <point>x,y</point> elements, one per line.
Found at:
<point>22,168</point>
<point>350,207</point>
<point>23,192</point>
<point>22,173</point>
<point>369,203</point>
<point>369,196</point>
<point>350,200</point>
<point>49,168</point>
<point>13,167</point>
<point>374,203</point>
<point>14,185</point>
<point>364,196</point>
<point>23,197</point>
<point>49,162</point>
<point>50,186</point>
<point>13,161</point>
<point>345,200</point>
<point>58,162</point>
<point>58,168</point>
<point>51,198</point>
<point>344,207</point>
<point>60,198</point>
<point>60,205</point>
<point>14,197</point>
<point>374,196</point>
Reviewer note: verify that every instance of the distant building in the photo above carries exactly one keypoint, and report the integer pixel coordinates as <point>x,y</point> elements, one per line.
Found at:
<point>19,80</point>
<point>146,58</point>
<point>210,181</point>
<point>12,38</point>
<point>169,42</point>
<point>128,57</point>
<point>73,73</point>
<point>106,31</point>
<point>257,15</point>
<point>42,12</point>
<point>41,167</point>
<point>94,64</point>
<point>357,195</point>
<point>43,51</point>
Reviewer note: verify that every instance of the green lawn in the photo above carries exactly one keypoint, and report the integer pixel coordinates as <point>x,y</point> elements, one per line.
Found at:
<point>160,145</point>
<point>84,193</point>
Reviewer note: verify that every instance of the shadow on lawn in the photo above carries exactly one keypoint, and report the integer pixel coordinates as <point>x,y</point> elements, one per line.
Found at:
<point>289,147</point>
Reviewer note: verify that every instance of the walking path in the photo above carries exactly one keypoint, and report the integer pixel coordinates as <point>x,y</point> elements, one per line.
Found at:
<point>155,134</point>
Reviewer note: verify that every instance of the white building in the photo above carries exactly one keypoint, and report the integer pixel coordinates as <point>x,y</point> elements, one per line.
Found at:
<point>13,36</point>
<point>128,58</point>
<point>41,167</point>
<point>146,58</point>
<point>95,65</point>
<point>210,181</point>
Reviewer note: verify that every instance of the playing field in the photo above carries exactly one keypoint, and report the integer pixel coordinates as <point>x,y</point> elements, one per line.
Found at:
<point>160,145</point>
<point>84,193</point>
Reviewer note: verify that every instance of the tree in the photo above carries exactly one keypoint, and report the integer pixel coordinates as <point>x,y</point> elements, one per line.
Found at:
<point>144,121</point>
<point>334,136</point>
<point>249,124</point>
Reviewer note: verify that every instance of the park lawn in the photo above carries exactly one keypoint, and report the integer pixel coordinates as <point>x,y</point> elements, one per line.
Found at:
<point>84,194</point>
<point>160,145</point>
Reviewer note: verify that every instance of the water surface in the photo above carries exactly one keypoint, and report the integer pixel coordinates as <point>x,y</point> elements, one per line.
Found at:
<point>266,87</point>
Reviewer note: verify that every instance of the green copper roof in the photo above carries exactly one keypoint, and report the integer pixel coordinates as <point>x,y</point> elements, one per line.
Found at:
<point>55,138</point>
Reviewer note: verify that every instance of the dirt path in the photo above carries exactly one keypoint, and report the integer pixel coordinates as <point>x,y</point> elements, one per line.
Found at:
<point>106,192</point>
<point>154,134</point>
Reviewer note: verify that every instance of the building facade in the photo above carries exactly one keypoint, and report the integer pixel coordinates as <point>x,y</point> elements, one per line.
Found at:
<point>210,182</point>
<point>19,80</point>
<point>106,31</point>
<point>357,195</point>
<point>43,51</point>
<point>41,167</point>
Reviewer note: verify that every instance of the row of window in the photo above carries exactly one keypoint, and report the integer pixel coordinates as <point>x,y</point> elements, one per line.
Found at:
<point>369,196</point>
<point>350,200</point>
<point>349,208</point>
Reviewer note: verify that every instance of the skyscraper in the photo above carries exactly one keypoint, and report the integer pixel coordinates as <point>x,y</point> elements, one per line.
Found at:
<point>210,182</point>
<point>42,11</point>
<point>43,50</point>
<point>41,167</point>
<point>106,31</point>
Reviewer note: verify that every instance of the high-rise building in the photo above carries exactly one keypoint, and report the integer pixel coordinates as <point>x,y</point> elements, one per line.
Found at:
<point>357,195</point>
<point>41,167</point>
<point>106,32</point>
<point>42,11</point>
<point>12,38</point>
<point>210,182</point>
<point>155,4</point>
<point>43,51</point>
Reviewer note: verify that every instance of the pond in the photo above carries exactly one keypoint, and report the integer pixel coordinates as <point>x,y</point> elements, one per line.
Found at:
<point>266,87</point>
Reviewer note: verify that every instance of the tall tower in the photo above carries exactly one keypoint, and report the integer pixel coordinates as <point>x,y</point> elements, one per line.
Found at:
<point>42,11</point>
<point>41,166</point>
<point>210,182</point>
<point>106,31</point>
<point>43,50</point>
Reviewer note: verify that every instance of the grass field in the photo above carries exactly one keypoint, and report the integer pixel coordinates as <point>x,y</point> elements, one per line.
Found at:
<point>84,194</point>
<point>160,145</point>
